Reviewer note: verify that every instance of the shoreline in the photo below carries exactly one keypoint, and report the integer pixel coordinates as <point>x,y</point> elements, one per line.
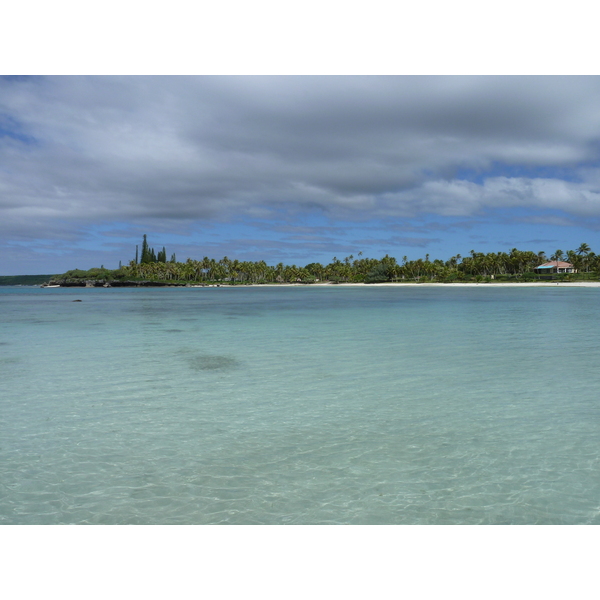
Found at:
<point>505,284</point>
<point>591,284</point>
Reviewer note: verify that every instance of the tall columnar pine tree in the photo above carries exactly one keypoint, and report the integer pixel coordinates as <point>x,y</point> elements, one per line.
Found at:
<point>148,254</point>
<point>145,258</point>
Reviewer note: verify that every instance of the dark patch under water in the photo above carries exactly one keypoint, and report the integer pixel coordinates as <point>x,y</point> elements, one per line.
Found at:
<point>212,362</point>
<point>10,360</point>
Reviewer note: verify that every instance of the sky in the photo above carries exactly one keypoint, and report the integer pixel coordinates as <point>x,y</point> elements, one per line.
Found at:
<point>294,169</point>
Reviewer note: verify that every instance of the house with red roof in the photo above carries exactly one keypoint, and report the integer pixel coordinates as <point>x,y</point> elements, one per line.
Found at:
<point>555,266</point>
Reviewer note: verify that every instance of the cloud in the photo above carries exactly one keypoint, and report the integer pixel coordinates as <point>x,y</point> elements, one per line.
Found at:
<point>399,241</point>
<point>79,151</point>
<point>460,198</point>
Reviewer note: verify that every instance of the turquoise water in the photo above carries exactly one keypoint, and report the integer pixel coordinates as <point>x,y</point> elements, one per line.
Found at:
<point>300,405</point>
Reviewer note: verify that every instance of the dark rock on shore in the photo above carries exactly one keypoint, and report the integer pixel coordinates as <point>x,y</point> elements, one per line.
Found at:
<point>111,283</point>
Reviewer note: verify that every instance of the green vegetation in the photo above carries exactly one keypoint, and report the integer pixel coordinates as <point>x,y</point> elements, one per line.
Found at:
<point>516,265</point>
<point>24,279</point>
<point>149,256</point>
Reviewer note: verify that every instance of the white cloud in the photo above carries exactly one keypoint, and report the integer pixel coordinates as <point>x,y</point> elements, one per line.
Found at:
<point>84,151</point>
<point>465,198</point>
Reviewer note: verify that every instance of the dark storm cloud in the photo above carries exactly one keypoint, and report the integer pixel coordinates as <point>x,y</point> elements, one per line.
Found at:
<point>81,150</point>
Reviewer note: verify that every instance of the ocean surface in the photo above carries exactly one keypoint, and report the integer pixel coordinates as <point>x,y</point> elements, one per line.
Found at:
<point>300,405</point>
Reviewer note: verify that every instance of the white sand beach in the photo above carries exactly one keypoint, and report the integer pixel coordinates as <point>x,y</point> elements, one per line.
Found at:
<point>414,284</point>
<point>499,284</point>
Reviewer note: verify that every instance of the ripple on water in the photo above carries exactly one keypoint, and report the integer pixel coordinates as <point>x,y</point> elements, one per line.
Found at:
<point>361,410</point>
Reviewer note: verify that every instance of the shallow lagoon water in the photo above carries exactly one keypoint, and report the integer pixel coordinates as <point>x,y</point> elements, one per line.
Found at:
<point>300,405</point>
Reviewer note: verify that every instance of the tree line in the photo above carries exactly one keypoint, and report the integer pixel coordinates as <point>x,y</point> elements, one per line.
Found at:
<point>476,266</point>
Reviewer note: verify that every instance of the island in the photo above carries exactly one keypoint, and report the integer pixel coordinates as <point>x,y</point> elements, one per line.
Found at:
<point>151,269</point>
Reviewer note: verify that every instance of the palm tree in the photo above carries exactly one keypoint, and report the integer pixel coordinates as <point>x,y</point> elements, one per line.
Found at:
<point>558,255</point>
<point>574,259</point>
<point>584,250</point>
